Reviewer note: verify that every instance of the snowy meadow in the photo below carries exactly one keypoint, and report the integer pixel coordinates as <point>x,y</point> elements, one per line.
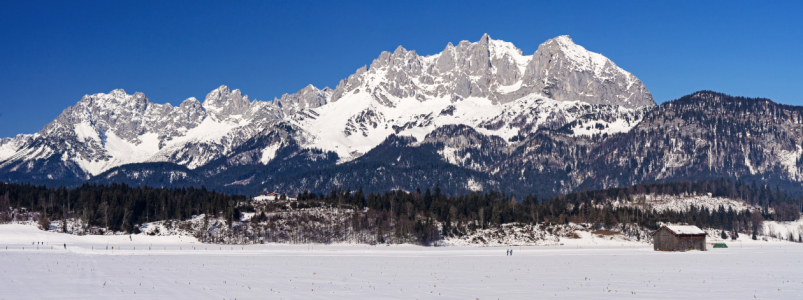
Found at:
<point>172,267</point>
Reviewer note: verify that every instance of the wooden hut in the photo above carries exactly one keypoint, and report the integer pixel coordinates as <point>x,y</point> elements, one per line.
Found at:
<point>678,238</point>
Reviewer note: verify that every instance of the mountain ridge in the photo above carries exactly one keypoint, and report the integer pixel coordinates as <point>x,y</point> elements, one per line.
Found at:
<point>475,116</point>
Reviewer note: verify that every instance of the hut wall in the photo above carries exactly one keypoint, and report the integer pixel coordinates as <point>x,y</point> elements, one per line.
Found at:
<point>665,240</point>
<point>691,242</point>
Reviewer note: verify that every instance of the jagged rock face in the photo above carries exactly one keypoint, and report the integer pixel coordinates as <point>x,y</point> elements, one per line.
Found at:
<point>306,98</point>
<point>106,130</point>
<point>222,103</point>
<point>562,70</point>
<point>497,70</point>
<point>469,69</point>
<point>128,116</point>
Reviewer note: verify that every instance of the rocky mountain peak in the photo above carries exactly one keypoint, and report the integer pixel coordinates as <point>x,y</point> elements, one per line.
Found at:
<point>581,58</point>
<point>118,93</point>
<point>564,40</point>
<point>190,102</point>
<point>499,71</point>
<point>308,89</point>
<point>486,38</point>
<point>565,71</point>
<point>222,103</point>
<point>500,48</point>
<point>399,50</point>
<point>308,97</point>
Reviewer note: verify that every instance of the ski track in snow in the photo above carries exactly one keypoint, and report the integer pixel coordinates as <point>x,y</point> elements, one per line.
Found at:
<point>577,270</point>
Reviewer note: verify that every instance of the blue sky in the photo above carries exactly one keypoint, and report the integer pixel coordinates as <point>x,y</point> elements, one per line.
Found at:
<point>53,53</point>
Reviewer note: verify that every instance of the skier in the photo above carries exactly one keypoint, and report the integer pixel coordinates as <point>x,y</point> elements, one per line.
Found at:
<point>511,252</point>
<point>65,246</point>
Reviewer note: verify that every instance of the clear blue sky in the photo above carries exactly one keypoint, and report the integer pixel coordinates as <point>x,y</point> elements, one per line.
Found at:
<point>53,53</point>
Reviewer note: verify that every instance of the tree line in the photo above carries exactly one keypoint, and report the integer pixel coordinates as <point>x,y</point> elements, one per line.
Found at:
<point>117,207</point>
<point>465,213</point>
<point>397,215</point>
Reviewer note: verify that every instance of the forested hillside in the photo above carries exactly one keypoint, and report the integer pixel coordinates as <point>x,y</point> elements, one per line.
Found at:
<point>393,216</point>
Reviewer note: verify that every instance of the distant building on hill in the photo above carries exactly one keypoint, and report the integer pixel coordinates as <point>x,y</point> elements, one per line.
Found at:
<point>272,196</point>
<point>267,197</point>
<point>678,238</point>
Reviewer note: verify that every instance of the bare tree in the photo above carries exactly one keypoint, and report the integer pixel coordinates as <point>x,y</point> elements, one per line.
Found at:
<point>104,210</point>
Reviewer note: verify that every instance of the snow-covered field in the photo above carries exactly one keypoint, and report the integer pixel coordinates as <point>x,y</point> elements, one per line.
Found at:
<point>181,268</point>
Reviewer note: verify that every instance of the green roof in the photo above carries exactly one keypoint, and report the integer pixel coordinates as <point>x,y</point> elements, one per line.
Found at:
<point>720,245</point>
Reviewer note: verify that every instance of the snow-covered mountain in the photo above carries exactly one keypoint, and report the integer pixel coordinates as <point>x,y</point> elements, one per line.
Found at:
<point>107,130</point>
<point>475,116</point>
<point>489,85</point>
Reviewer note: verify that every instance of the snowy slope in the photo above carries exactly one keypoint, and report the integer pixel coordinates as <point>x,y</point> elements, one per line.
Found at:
<point>357,123</point>
<point>683,203</point>
<point>783,230</point>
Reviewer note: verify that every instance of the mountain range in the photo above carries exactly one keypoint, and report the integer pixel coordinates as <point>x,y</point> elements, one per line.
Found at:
<point>476,116</point>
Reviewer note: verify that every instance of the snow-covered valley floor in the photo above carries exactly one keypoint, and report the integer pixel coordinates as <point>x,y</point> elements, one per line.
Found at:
<point>181,268</point>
